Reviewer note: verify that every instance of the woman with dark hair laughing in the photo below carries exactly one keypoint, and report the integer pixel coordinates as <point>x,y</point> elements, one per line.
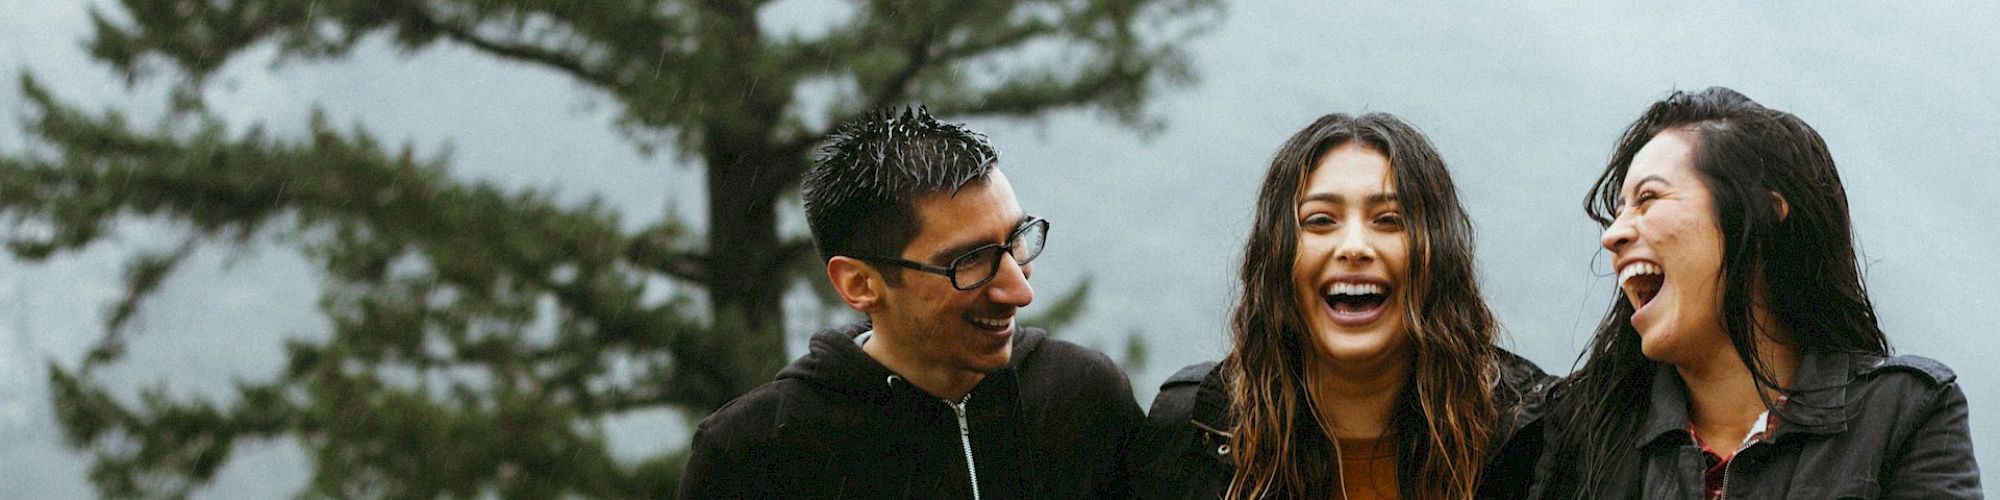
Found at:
<point>1742,358</point>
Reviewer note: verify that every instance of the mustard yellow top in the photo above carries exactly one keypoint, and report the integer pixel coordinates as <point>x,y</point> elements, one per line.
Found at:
<point>1368,468</point>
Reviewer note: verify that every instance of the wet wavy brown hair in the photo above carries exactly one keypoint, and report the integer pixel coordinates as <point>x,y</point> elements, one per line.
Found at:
<point>1445,418</point>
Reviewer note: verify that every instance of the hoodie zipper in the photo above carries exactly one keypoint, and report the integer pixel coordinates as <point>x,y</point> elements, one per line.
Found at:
<point>965,439</point>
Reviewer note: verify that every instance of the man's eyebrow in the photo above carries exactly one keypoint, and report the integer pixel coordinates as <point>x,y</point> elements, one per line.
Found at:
<point>1373,199</point>
<point>954,251</point>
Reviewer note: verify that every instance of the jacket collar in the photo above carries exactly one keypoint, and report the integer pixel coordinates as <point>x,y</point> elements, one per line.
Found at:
<point>1668,413</point>
<point>1211,404</point>
<point>1521,392</point>
<point>1817,403</point>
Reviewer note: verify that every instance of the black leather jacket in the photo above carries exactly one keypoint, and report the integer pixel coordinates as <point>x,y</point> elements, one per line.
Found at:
<point>1860,426</point>
<point>1183,451</point>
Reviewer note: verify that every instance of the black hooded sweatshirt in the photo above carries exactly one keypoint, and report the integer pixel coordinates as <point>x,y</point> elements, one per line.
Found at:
<point>1054,423</point>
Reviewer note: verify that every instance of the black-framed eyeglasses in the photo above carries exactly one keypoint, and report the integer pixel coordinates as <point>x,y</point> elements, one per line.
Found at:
<point>974,268</point>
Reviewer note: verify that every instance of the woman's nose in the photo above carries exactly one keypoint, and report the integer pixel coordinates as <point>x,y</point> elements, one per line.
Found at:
<point>1354,247</point>
<point>1618,235</point>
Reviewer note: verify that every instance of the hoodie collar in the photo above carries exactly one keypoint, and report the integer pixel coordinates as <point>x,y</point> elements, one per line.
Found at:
<point>835,361</point>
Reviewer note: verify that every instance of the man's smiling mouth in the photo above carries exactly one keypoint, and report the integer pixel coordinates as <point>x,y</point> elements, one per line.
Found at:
<point>1000,323</point>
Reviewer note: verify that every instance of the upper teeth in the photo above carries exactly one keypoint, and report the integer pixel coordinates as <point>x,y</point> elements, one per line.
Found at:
<point>1637,268</point>
<point>992,323</point>
<point>1354,289</point>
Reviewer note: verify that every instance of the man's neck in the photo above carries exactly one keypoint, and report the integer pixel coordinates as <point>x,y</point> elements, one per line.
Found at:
<point>940,381</point>
<point>1354,400</point>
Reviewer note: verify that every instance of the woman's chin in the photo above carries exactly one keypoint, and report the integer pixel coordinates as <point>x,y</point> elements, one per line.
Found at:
<point>1355,347</point>
<point>1658,348</point>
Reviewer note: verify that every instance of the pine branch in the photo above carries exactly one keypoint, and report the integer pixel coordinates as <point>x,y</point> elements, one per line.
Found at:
<point>569,64</point>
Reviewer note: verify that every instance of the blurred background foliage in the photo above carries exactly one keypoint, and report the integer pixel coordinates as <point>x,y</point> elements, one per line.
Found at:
<point>480,335</point>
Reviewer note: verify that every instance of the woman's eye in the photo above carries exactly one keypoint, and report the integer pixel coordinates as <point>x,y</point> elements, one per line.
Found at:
<point>1643,198</point>
<point>1391,219</point>
<point>1317,221</point>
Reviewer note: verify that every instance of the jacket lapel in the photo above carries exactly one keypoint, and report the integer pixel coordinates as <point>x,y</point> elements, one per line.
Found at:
<point>1667,413</point>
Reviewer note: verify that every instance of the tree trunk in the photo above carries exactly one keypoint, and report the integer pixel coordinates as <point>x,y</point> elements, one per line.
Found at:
<point>747,277</point>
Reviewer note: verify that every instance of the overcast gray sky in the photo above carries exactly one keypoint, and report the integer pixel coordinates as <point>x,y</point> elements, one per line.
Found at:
<point>1524,102</point>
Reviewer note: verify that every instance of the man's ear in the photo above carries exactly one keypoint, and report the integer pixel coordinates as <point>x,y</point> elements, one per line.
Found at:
<point>1783,208</point>
<point>858,283</point>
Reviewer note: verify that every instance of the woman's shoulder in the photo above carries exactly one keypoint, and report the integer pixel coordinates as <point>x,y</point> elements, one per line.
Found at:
<point>1183,451</point>
<point>1839,378</point>
<point>1914,384</point>
<point>1922,369</point>
<point>1181,394</point>
<point>1190,374</point>
<point>1519,381</point>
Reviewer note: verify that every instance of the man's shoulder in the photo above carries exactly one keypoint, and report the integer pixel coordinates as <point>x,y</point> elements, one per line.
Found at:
<point>1062,373</point>
<point>760,444</point>
<point>754,416</point>
<point>1058,356</point>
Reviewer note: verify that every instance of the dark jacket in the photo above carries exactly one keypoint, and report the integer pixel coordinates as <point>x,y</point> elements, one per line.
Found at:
<point>1183,452</point>
<point>1053,424</point>
<point>1860,426</point>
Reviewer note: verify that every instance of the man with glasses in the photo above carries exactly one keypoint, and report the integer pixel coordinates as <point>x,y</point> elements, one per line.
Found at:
<point>939,393</point>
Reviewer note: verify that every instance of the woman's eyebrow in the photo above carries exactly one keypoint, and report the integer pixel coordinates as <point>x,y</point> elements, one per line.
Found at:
<point>1373,199</point>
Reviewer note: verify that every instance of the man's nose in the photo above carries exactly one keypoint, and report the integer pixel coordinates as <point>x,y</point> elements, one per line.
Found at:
<point>1010,284</point>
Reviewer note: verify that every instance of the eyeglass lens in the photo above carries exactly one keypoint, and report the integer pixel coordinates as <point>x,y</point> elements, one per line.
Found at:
<point>974,269</point>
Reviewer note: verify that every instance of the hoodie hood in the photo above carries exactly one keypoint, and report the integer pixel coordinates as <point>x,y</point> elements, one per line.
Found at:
<point>834,361</point>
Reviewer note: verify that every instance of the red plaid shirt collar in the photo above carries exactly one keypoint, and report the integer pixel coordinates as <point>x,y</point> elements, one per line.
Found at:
<point>1714,478</point>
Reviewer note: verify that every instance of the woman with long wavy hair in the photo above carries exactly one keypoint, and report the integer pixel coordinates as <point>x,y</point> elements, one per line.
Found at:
<point>1363,363</point>
<point>1741,357</point>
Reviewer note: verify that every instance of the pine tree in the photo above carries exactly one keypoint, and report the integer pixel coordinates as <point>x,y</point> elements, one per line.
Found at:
<point>441,376</point>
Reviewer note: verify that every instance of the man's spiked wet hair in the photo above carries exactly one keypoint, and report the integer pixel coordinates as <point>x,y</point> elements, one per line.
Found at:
<point>860,193</point>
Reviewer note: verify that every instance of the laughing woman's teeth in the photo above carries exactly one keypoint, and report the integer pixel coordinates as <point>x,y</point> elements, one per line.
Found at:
<point>1636,269</point>
<point>1353,289</point>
